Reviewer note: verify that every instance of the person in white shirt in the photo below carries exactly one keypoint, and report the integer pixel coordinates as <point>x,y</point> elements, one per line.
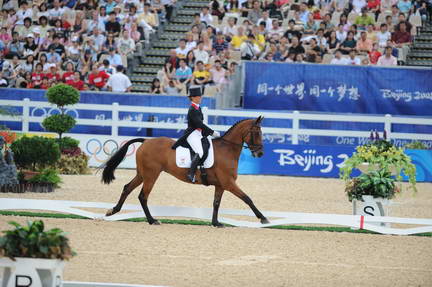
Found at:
<point>353,60</point>
<point>266,19</point>
<point>182,50</point>
<point>338,60</point>
<point>387,59</point>
<point>201,54</point>
<point>383,36</point>
<point>126,44</point>
<point>358,5</point>
<point>205,16</point>
<point>275,30</point>
<point>119,82</point>
<point>249,50</point>
<point>341,34</point>
<point>230,29</point>
<point>23,12</point>
<point>56,12</point>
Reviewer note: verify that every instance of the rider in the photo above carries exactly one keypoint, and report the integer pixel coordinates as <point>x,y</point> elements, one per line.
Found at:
<point>196,133</point>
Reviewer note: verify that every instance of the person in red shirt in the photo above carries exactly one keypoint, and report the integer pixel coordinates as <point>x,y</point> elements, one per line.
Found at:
<point>53,74</point>
<point>402,37</point>
<point>76,82</point>
<point>45,83</point>
<point>69,74</point>
<point>374,54</point>
<point>38,75</point>
<point>98,79</point>
<point>374,6</point>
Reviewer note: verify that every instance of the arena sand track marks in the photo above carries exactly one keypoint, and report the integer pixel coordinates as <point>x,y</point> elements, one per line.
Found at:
<point>185,255</point>
<point>293,194</point>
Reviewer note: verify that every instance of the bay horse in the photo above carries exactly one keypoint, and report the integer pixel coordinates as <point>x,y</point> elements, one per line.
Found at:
<point>156,155</point>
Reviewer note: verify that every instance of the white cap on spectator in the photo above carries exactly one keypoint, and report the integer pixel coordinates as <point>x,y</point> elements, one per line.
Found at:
<point>51,65</point>
<point>30,35</point>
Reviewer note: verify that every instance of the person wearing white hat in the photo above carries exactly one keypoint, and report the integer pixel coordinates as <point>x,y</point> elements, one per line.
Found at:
<point>30,47</point>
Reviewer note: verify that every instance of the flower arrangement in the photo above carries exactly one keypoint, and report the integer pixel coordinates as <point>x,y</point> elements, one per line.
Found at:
<point>8,136</point>
<point>382,157</point>
<point>376,183</point>
<point>33,241</point>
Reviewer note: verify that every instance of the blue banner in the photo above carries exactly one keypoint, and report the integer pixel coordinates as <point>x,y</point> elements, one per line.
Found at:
<point>340,89</point>
<point>130,99</point>
<point>317,161</point>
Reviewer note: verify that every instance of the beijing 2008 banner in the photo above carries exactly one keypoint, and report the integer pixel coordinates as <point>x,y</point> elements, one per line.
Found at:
<point>317,161</point>
<point>341,89</point>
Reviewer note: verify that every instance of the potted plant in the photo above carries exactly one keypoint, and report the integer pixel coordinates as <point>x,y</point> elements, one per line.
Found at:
<point>377,155</point>
<point>31,254</point>
<point>44,181</point>
<point>33,155</point>
<point>72,159</point>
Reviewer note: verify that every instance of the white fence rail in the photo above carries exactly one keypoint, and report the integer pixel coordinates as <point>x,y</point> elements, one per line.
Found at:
<point>296,117</point>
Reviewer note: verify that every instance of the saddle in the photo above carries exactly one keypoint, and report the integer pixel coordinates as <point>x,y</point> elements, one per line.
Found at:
<point>184,158</point>
<point>184,155</point>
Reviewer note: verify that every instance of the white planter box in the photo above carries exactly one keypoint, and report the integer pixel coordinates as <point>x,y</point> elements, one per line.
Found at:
<point>31,272</point>
<point>372,206</point>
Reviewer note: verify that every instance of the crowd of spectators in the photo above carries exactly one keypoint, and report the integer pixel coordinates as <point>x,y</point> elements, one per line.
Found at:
<point>343,32</point>
<point>83,43</point>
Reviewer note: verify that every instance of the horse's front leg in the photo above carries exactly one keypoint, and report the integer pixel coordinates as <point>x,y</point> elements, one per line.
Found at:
<point>216,203</point>
<point>234,189</point>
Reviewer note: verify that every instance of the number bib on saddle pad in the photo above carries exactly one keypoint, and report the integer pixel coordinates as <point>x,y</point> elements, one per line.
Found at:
<point>183,158</point>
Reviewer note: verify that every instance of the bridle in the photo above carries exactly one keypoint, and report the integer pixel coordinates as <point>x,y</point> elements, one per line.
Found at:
<point>249,145</point>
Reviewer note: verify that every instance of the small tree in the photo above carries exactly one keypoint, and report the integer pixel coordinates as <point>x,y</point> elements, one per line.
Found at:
<point>35,152</point>
<point>61,95</point>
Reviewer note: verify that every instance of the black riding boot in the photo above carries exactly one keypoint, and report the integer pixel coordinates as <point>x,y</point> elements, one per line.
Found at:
<point>194,164</point>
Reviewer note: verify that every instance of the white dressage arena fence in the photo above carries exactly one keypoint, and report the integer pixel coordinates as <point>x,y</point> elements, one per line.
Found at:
<point>296,117</point>
<point>276,218</point>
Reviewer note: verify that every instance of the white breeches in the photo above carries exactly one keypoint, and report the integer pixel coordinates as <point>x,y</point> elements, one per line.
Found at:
<point>194,140</point>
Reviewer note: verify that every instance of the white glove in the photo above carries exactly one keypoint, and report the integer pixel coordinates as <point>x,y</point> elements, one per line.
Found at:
<point>216,134</point>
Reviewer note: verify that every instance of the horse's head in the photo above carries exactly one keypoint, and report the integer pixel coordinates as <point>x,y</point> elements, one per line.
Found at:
<point>253,138</point>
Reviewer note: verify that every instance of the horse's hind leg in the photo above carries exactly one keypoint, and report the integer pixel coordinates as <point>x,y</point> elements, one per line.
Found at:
<point>234,189</point>
<point>127,189</point>
<point>149,182</point>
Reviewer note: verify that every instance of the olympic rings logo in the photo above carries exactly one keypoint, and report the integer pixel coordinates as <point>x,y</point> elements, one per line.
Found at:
<point>95,147</point>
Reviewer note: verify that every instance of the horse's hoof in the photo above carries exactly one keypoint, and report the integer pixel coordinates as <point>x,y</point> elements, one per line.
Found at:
<point>264,221</point>
<point>109,212</point>
<point>156,222</point>
<point>218,225</point>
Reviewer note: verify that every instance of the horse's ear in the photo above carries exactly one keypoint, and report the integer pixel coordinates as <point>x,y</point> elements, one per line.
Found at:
<point>259,120</point>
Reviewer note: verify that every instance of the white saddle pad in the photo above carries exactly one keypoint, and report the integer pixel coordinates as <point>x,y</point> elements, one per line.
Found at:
<point>183,158</point>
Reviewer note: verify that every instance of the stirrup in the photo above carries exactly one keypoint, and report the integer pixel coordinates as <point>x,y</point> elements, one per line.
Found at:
<point>191,179</point>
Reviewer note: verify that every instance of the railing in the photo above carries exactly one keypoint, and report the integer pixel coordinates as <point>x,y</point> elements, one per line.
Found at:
<point>295,116</point>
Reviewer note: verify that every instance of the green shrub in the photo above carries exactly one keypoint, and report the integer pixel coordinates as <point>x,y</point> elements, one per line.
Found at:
<point>415,145</point>
<point>63,95</point>
<point>32,241</point>
<point>59,123</point>
<point>47,175</point>
<point>68,143</point>
<point>35,152</point>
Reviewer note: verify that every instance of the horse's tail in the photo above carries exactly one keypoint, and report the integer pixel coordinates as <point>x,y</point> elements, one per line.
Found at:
<point>115,160</point>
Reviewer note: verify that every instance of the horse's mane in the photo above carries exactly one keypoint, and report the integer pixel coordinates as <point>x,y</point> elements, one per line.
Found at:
<point>233,126</point>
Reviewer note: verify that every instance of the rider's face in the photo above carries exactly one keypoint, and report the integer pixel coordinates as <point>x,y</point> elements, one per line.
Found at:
<point>196,100</point>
